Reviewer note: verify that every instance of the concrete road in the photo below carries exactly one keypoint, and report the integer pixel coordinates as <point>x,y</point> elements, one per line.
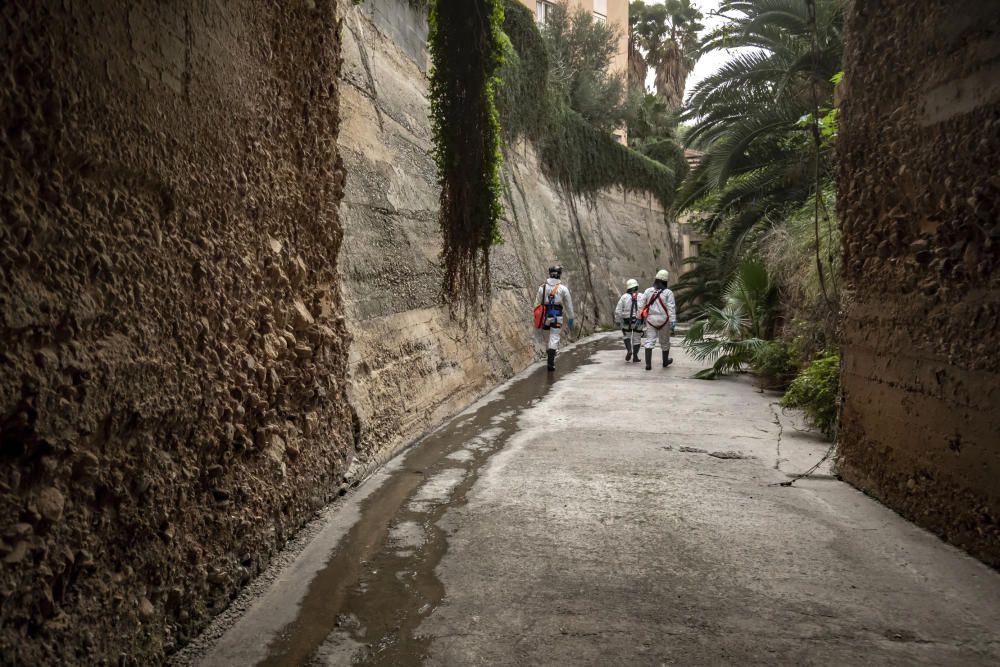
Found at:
<point>613,516</point>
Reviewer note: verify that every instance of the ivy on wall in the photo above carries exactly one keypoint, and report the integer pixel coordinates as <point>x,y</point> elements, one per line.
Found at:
<point>467,48</point>
<point>587,160</point>
<point>582,158</point>
<point>523,98</point>
<point>491,70</point>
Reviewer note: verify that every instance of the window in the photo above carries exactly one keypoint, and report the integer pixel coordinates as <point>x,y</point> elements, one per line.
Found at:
<point>542,9</point>
<point>601,11</point>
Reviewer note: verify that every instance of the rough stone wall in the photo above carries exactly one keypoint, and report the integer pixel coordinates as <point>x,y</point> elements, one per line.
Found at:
<point>920,203</point>
<point>410,363</point>
<point>173,353</point>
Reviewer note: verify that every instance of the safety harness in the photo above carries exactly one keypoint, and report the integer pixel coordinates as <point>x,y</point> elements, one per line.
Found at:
<point>552,309</point>
<point>658,296</point>
<point>632,320</point>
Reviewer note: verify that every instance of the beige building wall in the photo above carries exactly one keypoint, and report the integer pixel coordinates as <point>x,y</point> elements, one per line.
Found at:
<point>690,242</point>
<point>690,238</point>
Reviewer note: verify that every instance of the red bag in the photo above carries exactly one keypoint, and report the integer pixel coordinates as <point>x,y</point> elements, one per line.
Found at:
<point>539,316</point>
<point>541,308</point>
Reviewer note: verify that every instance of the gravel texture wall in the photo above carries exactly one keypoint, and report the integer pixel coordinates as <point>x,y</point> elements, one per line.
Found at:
<point>920,203</point>
<point>411,364</point>
<point>172,396</point>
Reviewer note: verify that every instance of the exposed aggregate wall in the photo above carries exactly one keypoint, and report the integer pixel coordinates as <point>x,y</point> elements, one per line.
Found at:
<point>919,176</point>
<point>173,352</point>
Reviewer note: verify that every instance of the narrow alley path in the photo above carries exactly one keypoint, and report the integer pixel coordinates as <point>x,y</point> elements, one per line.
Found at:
<point>610,515</point>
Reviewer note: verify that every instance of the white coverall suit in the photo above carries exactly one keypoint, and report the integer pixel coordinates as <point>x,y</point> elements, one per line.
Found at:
<point>627,312</point>
<point>563,309</point>
<point>662,317</point>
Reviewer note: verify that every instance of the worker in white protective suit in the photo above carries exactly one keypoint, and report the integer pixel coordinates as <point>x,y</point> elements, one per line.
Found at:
<point>555,298</point>
<point>660,312</point>
<point>627,316</point>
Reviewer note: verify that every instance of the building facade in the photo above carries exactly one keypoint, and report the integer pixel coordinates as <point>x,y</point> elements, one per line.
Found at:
<point>689,236</point>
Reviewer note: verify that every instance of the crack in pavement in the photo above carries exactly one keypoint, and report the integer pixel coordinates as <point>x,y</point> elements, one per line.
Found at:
<point>781,431</point>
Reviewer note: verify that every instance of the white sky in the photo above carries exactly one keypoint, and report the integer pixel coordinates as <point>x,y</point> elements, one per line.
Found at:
<point>710,62</point>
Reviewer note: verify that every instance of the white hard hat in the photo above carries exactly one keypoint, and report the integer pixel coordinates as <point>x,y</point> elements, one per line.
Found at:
<point>663,275</point>
<point>631,283</point>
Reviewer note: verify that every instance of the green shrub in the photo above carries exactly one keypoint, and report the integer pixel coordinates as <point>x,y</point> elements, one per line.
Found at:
<point>815,390</point>
<point>775,364</point>
<point>523,96</point>
<point>555,87</point>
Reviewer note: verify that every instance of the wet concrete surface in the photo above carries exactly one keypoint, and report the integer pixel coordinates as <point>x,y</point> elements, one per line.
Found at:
<point>610,515</point>
<point>379,582</point>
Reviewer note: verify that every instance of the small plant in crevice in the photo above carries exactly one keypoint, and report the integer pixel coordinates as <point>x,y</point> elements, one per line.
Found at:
<point>467,49</point>
<point>815,390</point>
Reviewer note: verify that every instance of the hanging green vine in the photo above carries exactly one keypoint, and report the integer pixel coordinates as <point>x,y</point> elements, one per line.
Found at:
<point>523,97</point>
<point>467,48</point>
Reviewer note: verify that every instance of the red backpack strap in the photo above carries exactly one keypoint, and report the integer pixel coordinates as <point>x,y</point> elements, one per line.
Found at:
<point>666,311</point>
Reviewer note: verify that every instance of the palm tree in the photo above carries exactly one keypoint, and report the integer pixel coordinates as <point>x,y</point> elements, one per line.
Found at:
<point>757,119</point>
<point>702,284</point>
<point>652,130</point>
<point>637,66</point>
<point>731,334</point>
<point>664,37</point>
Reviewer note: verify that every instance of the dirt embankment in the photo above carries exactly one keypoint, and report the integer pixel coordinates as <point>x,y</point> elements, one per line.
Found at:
<point>920,207</point>
<point>173,354</point>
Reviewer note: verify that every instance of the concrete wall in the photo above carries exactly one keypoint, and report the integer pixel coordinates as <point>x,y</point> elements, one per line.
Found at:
<point>920,204</point>
<point>171,385</point>
<point>410,362</point>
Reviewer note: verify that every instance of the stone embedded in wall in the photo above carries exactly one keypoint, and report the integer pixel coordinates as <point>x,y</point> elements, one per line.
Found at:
<point>173,349</point>
<point>919,154</point>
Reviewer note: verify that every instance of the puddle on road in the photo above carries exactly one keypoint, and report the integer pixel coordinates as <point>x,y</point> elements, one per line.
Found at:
<point>364,606</point>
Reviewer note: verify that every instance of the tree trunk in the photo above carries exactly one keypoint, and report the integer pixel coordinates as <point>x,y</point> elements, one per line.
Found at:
<point>637,68</point>
<point>671,75</point>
